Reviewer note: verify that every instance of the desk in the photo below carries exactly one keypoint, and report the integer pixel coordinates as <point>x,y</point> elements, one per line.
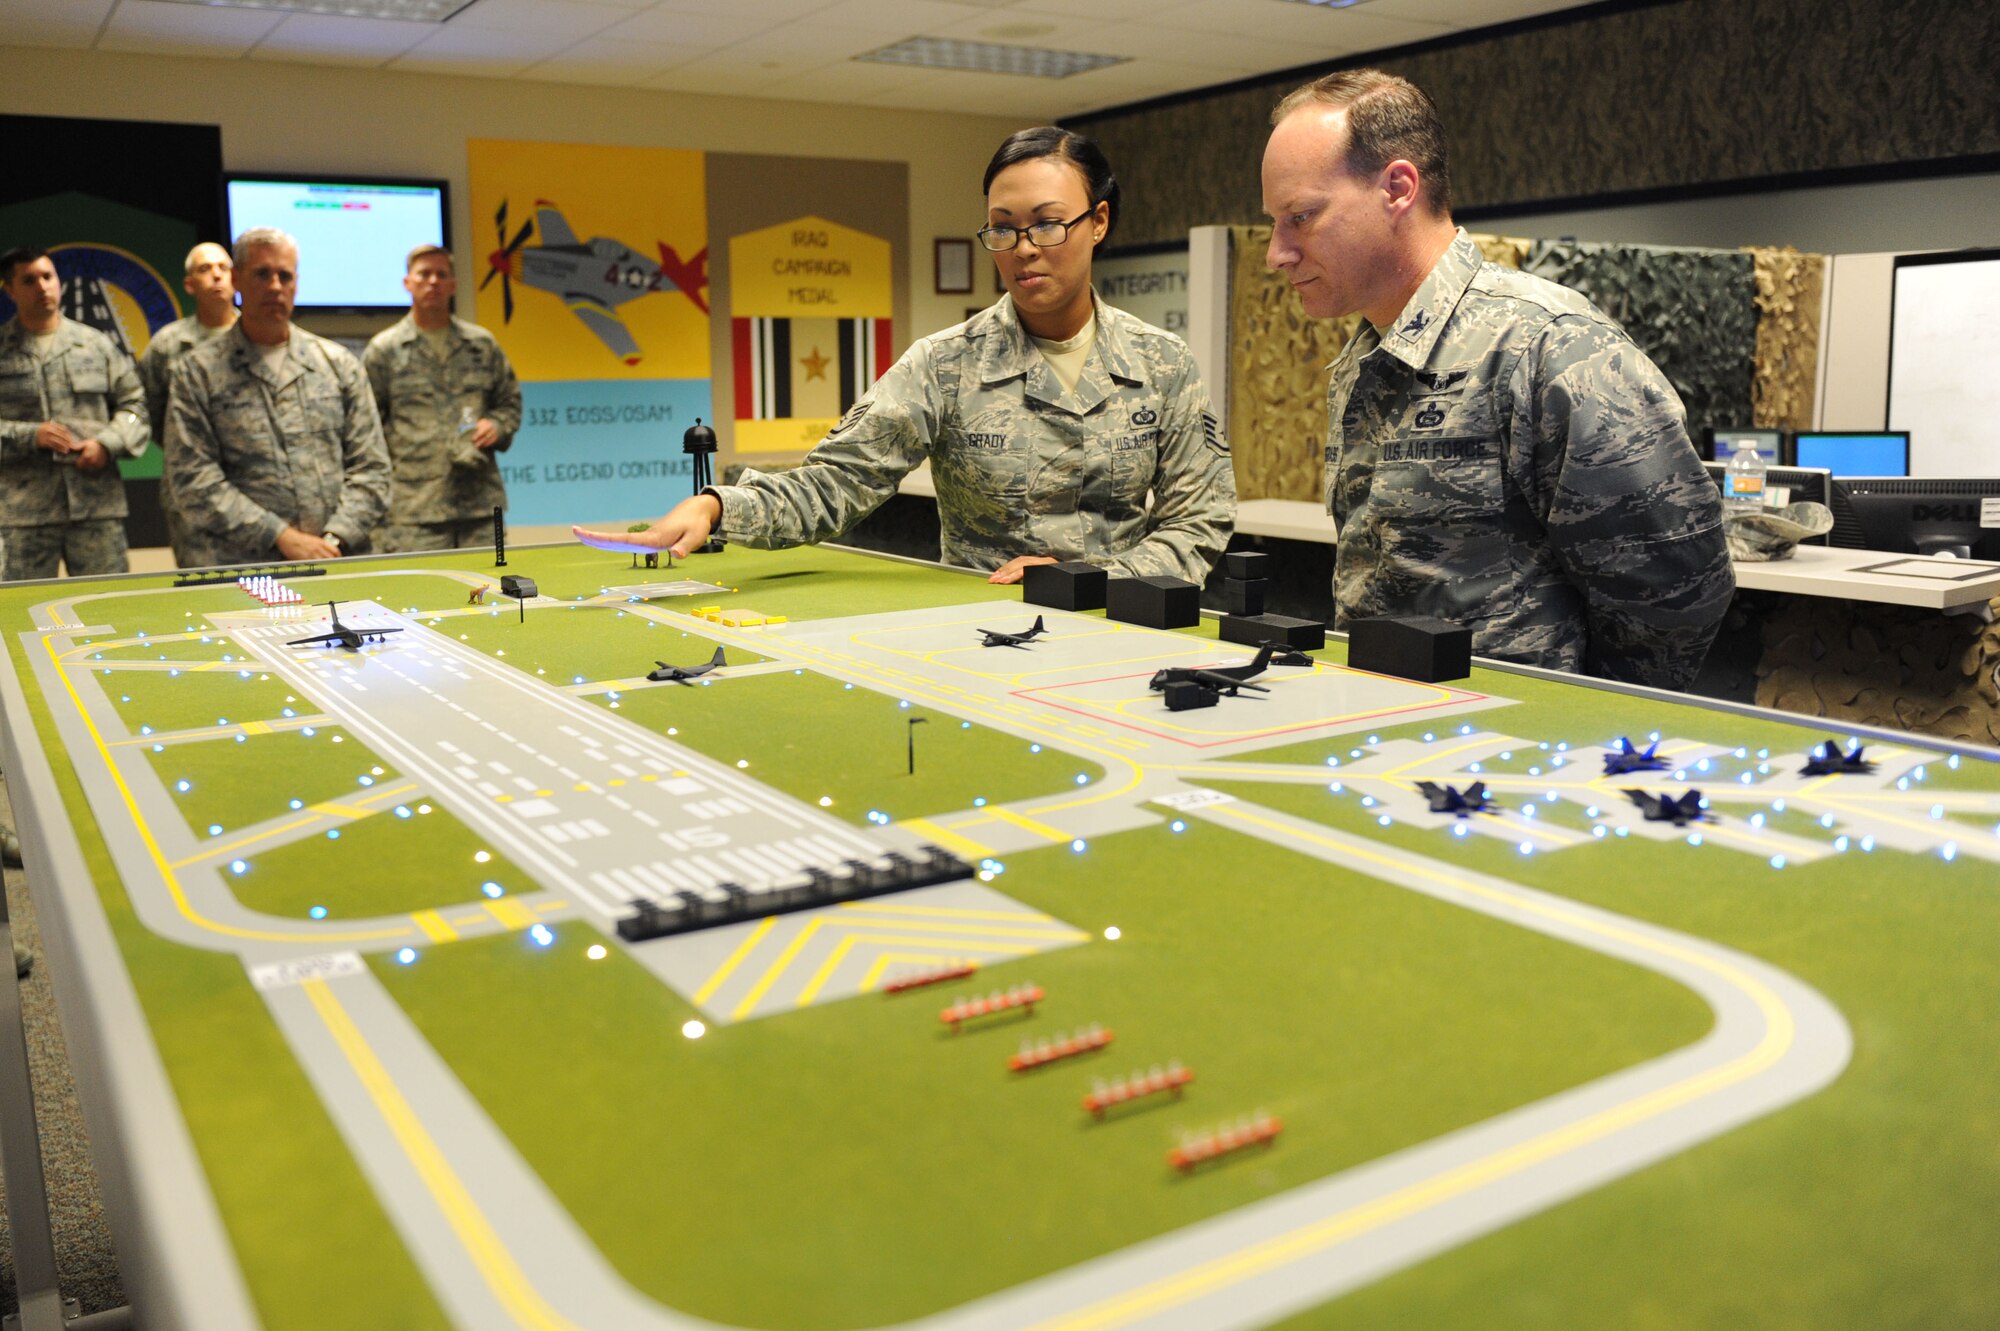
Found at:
<point>360,1045</point>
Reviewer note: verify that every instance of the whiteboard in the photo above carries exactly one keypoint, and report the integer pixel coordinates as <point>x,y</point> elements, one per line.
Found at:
<point>1944,362</point>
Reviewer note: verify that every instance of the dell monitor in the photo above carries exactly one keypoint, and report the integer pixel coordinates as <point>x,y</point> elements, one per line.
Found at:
<point>1920,516</point>
<point>1870,453</point>
<point>1723,443</point>
<point>354,232</point>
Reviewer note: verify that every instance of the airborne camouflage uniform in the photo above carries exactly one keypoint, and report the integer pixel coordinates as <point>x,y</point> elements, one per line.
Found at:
<point>156,369</point>
<point>51,510</point>
<point>249,452</point>
<point>1506,459</point>
<point>1022,466</point>
<point>445,489</point>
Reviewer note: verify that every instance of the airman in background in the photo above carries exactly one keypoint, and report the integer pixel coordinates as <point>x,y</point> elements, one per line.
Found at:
<point>450,405</point>
<point>209,278</point>
<point>274,450</point>
<point>70,404</point>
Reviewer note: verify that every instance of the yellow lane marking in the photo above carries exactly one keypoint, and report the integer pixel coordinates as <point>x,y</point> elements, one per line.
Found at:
<point>888,959</point>
<point>433,924</point>
<point>165,869</point>
<point>1320,1235</point>
<point>550,907</point>
<point>1053,932</point>
<point>212,851</point>
<point>777,968</point>
<point>469,920</point>
<point>728,968</point>
<point>949,912</point>
<point>950,840</point>
<point>1438,755</point>
<point>475,1233</point>
<point>1039,829</point>
<point>510,913</point>
<point>841,949</point>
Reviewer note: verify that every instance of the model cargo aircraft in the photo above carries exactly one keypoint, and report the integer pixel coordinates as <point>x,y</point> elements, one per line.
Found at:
<point>592,277</point>
<point>673,674</point>
<point>1228,679</point>
<point>343,635</point>
<point>996,638</point>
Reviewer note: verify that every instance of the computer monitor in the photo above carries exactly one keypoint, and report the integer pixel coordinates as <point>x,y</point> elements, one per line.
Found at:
<point>1919,515</point>
<point>1722,444</point>
<point>1870,453</point>
<point>1790,485</point>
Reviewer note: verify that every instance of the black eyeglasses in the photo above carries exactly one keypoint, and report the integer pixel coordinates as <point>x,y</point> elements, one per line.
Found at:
<point>1046,235</point>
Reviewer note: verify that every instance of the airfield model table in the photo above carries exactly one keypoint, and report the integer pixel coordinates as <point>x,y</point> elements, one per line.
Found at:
<point>334,933</point>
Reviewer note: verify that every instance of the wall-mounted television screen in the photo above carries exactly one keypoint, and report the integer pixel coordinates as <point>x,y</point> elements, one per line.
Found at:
<point>354,232</point>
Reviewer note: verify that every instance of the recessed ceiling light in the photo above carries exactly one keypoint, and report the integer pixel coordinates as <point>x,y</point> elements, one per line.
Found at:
<point>413,11</point>
<point>989,58</point>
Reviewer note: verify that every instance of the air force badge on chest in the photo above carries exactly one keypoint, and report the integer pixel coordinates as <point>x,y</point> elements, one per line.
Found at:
<point>1437,424</point>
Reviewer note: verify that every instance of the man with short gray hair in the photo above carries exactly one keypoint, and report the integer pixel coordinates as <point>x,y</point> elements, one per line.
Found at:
<point>208,273</point>
<point>1499,455</point>
<point>449,404</point>
<point>273,447</point>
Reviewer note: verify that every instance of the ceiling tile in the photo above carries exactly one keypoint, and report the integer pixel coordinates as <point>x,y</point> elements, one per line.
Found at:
<point>172,29</point>
<point>660,24</point>
<point>905,18</point>
<point>480,52</point>
<point>1317,29</point>
<point>844,81</point>
<point>1476,13</point>
<point>826,42</point>
<point>614,64</point>
<point>703,76</point>
<point>558,17</point>
<point>1107,10</point>
<point>39,23</point>
<point>328,39</point>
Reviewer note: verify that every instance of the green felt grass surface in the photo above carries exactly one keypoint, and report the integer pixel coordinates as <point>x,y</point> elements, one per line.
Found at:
<point>814,737</point>
<point>234,785</point>
<point>851,1164</point>
<point>846,1165</point>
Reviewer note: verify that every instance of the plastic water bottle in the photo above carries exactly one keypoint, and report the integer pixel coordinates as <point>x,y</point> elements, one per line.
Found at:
<point>1743,482</point>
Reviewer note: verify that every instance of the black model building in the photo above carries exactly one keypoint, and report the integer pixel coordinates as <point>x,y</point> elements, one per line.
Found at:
<point>727,903</point>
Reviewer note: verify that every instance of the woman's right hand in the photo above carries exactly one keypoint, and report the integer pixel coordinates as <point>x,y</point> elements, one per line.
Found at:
<point>683,530</point>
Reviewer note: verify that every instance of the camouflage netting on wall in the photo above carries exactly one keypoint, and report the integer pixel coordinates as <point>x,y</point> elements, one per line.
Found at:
<point>1277,370</point>
<point>1790,289</point>
<point>1694,312</point>
<point>1890,666</point>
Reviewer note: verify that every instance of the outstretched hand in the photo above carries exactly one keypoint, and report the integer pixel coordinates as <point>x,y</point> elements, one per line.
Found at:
<point>682,531</point>
<point>1011,571</point>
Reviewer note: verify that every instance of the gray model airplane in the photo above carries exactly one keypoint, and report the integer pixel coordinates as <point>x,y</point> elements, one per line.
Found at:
<point>592,277</point>
<point>1226,678</point>
<point>343,635</point>
<point>996,638</point>
<point>673,674</point>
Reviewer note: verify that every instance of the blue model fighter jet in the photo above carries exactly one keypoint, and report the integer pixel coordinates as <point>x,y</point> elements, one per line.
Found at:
<point>1627,757</point>
<point>1678,810</point>
<point>1830,760</point>
<point>1446,799</point>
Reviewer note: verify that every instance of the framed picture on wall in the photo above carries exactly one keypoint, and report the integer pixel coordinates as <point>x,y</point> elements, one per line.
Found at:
<point>954,266</point>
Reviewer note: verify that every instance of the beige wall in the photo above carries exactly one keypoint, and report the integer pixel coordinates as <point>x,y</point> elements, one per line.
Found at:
<point>283,117</point>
